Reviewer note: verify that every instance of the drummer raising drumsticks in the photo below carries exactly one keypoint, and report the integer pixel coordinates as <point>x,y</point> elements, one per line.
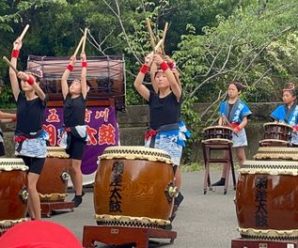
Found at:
<point>234,113</point>
<point>288,112</point>
<point>74,136</point>
<point>30,137</point>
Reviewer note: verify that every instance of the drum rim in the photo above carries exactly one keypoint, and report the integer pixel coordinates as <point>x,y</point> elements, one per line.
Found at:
<point>217,139</point>
<point>126,219</point>
<point>111,148</point>
<point>270,162</point>
<point>274,140</point>
<point>218,126</point>
<point>268,233</point>
<point>277,124</point>
<point>55,148</point>
<point>276,149</point>
<point>12,164</point>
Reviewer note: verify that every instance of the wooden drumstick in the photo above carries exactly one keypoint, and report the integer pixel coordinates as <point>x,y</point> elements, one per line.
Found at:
<point>152,38</point>
<point>78,47</point>
<point>24,32</point>
<point>158,45</point>
<point>165,30</point>
<point>10,64</point>
<point>84,40</point>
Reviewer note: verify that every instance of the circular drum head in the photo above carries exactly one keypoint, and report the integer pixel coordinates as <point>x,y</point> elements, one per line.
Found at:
<point>56,152</point>
<point>136,152</point>
<point>270,167</point>
<point>9,164</point>
<point>277,124</point>
<point>217,127</point>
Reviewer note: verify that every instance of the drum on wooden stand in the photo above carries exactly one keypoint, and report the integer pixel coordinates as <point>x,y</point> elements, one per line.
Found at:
<point>266,200</point>
<point>53,180</point>
<point>217,134</point>
<point>134,187</point>
<point>13,193</point>
<point>276,134</point>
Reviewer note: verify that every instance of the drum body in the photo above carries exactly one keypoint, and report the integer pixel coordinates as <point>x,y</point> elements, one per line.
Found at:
<point>276,134</point>
<point>132,183</point>
<point>13,193</point>
<point>53,180</point>
<point>216,134</point>
<point>267,199</point>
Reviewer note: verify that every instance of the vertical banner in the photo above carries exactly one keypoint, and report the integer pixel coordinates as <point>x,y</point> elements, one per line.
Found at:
<point>102,130</point>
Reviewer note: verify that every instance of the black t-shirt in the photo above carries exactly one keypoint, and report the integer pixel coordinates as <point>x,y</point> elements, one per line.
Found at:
<point>163,111</point>
<point>74,111</point>
<point>231,105</point>
<point>30,114</point>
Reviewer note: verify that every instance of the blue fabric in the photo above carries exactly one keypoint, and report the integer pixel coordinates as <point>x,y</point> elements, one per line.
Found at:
<point>238,112</point>
<point>172,141</point>
<point>35,148</point>
<point>281,114</point>
<point>288,116</point>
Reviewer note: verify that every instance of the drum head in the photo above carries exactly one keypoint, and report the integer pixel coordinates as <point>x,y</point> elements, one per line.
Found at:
<point>9,164</point>
<point>217,127</point>
<point>136,152</point>
<point>277,124</point>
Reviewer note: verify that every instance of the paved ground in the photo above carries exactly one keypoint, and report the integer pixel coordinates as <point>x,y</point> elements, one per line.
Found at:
<point>203,221</point>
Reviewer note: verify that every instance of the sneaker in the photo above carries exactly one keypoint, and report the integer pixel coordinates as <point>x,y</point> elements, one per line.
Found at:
<point>221,182</point>
<point>77,200</point>
<point>178,199</point>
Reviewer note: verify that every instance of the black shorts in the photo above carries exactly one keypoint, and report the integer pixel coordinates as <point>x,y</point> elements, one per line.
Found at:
<point>35,164</point>
<point>76,148</point>
<point>2,149</point>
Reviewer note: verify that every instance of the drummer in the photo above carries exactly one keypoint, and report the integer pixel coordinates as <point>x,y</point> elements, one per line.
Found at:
<point>165,107</point>
<point>234,113</point>
<point>288,112</point>
<point>30,138</point>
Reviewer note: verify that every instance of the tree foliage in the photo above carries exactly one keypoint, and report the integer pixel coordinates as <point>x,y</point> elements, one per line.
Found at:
<point>213,42</point>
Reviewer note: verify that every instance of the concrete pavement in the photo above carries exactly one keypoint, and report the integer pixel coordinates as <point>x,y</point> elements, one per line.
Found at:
<point>203,221</point>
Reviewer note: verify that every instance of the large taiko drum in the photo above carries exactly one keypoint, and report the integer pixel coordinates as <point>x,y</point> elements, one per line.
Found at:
<point>217,134</point>
<point>267,200</point>
<point>276,134</point>
<point>134,186</point>
<point>13,193</point>
<point>53,180</point>
<point>276,153</point>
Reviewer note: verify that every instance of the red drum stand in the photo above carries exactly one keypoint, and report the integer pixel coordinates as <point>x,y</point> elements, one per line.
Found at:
<point>124,235</point>
<point>48,207</point>
<point>253,243</point>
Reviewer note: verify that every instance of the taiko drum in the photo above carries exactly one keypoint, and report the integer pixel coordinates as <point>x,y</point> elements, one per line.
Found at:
<point>267,199</point>
<point>13,193</point>
<point>217,134</point>
<point>53,180</point>
<point>276,134</point>
<point>134,181</point>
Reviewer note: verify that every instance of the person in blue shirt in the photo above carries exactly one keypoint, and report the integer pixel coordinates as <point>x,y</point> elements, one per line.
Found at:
<point>234,113</point>
<point>288,112</point>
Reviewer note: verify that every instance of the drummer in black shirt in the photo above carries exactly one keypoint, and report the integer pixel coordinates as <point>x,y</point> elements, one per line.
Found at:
<point>74,123</point>
<point>164,107</point>
<point>30,137</point>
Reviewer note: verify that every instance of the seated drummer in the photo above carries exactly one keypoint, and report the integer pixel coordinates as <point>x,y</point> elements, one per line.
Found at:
<point>234,113</point>
<point>288,112</point>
